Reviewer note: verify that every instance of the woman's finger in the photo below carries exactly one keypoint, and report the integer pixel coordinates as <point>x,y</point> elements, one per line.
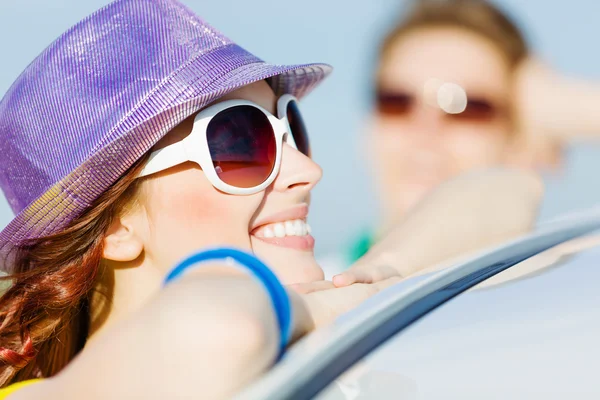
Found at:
<point>364,275</point>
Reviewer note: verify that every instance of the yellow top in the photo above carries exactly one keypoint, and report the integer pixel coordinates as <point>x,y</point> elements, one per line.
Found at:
<point>4,393</point>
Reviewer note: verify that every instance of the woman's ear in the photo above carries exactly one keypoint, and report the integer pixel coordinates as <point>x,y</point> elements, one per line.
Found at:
<point>123,241</point>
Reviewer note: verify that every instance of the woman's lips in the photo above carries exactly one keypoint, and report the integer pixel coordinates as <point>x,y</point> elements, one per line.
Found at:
<point>303,243</point>
<point>286,229</point>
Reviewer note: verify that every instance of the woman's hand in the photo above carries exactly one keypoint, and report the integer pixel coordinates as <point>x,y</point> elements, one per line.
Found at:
<point>370,274</point>
<point>326,302</point>
<point>464,215</point>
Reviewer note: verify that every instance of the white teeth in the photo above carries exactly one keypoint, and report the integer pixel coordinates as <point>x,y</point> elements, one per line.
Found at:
<point>300,227</point>
<point>279,229</point>
<point>296,227</point>
<point>290,228</point>
<point>308,229</point>
<point>268,233</point>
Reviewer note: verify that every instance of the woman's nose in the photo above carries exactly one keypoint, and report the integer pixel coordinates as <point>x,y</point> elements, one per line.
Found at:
<point>427,121</point>
<point>297,173</point>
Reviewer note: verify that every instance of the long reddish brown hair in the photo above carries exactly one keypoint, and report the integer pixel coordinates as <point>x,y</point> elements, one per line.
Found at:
<point>45,314</point>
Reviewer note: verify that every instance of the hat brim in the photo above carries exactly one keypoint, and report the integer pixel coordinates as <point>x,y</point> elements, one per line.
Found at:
<point>122,147</point>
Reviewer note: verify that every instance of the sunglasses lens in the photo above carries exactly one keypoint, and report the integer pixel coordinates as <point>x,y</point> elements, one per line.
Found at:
<point>478,110</point>
<point>398,104</point>
<point>242,146</point>
<point>298,128</point>
<point>393,104</point>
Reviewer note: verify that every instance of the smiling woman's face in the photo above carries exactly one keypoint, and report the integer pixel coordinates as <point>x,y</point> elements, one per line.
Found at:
<point>185,213</point>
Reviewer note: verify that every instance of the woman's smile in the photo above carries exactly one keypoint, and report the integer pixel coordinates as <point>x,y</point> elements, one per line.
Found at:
<point>287,228</point>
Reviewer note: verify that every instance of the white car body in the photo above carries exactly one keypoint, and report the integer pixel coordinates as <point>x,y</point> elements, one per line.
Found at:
<point>519,321</point>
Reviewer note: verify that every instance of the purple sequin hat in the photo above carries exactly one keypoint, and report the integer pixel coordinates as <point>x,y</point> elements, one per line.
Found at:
<point>103,94</point>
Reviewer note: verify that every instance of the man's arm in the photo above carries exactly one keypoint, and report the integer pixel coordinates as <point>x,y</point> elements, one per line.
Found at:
<point>463,215</point>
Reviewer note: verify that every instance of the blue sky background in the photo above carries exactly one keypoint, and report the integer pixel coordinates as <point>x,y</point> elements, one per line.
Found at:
<point>342,33</point>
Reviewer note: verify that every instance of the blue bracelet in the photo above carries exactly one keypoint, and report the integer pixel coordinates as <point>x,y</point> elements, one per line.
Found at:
<point>278,294</point>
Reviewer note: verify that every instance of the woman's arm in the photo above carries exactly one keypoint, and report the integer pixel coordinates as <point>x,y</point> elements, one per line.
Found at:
<point>207,335</point>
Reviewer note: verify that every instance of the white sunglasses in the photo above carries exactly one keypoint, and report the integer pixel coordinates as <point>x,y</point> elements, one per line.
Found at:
<point>237,143</point>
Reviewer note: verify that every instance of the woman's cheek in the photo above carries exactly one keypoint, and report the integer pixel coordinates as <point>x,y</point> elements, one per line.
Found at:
<point>206,218</point>
<point>185,222</point>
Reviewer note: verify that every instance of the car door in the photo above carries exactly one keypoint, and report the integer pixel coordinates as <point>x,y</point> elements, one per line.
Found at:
<point>317,364</point>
